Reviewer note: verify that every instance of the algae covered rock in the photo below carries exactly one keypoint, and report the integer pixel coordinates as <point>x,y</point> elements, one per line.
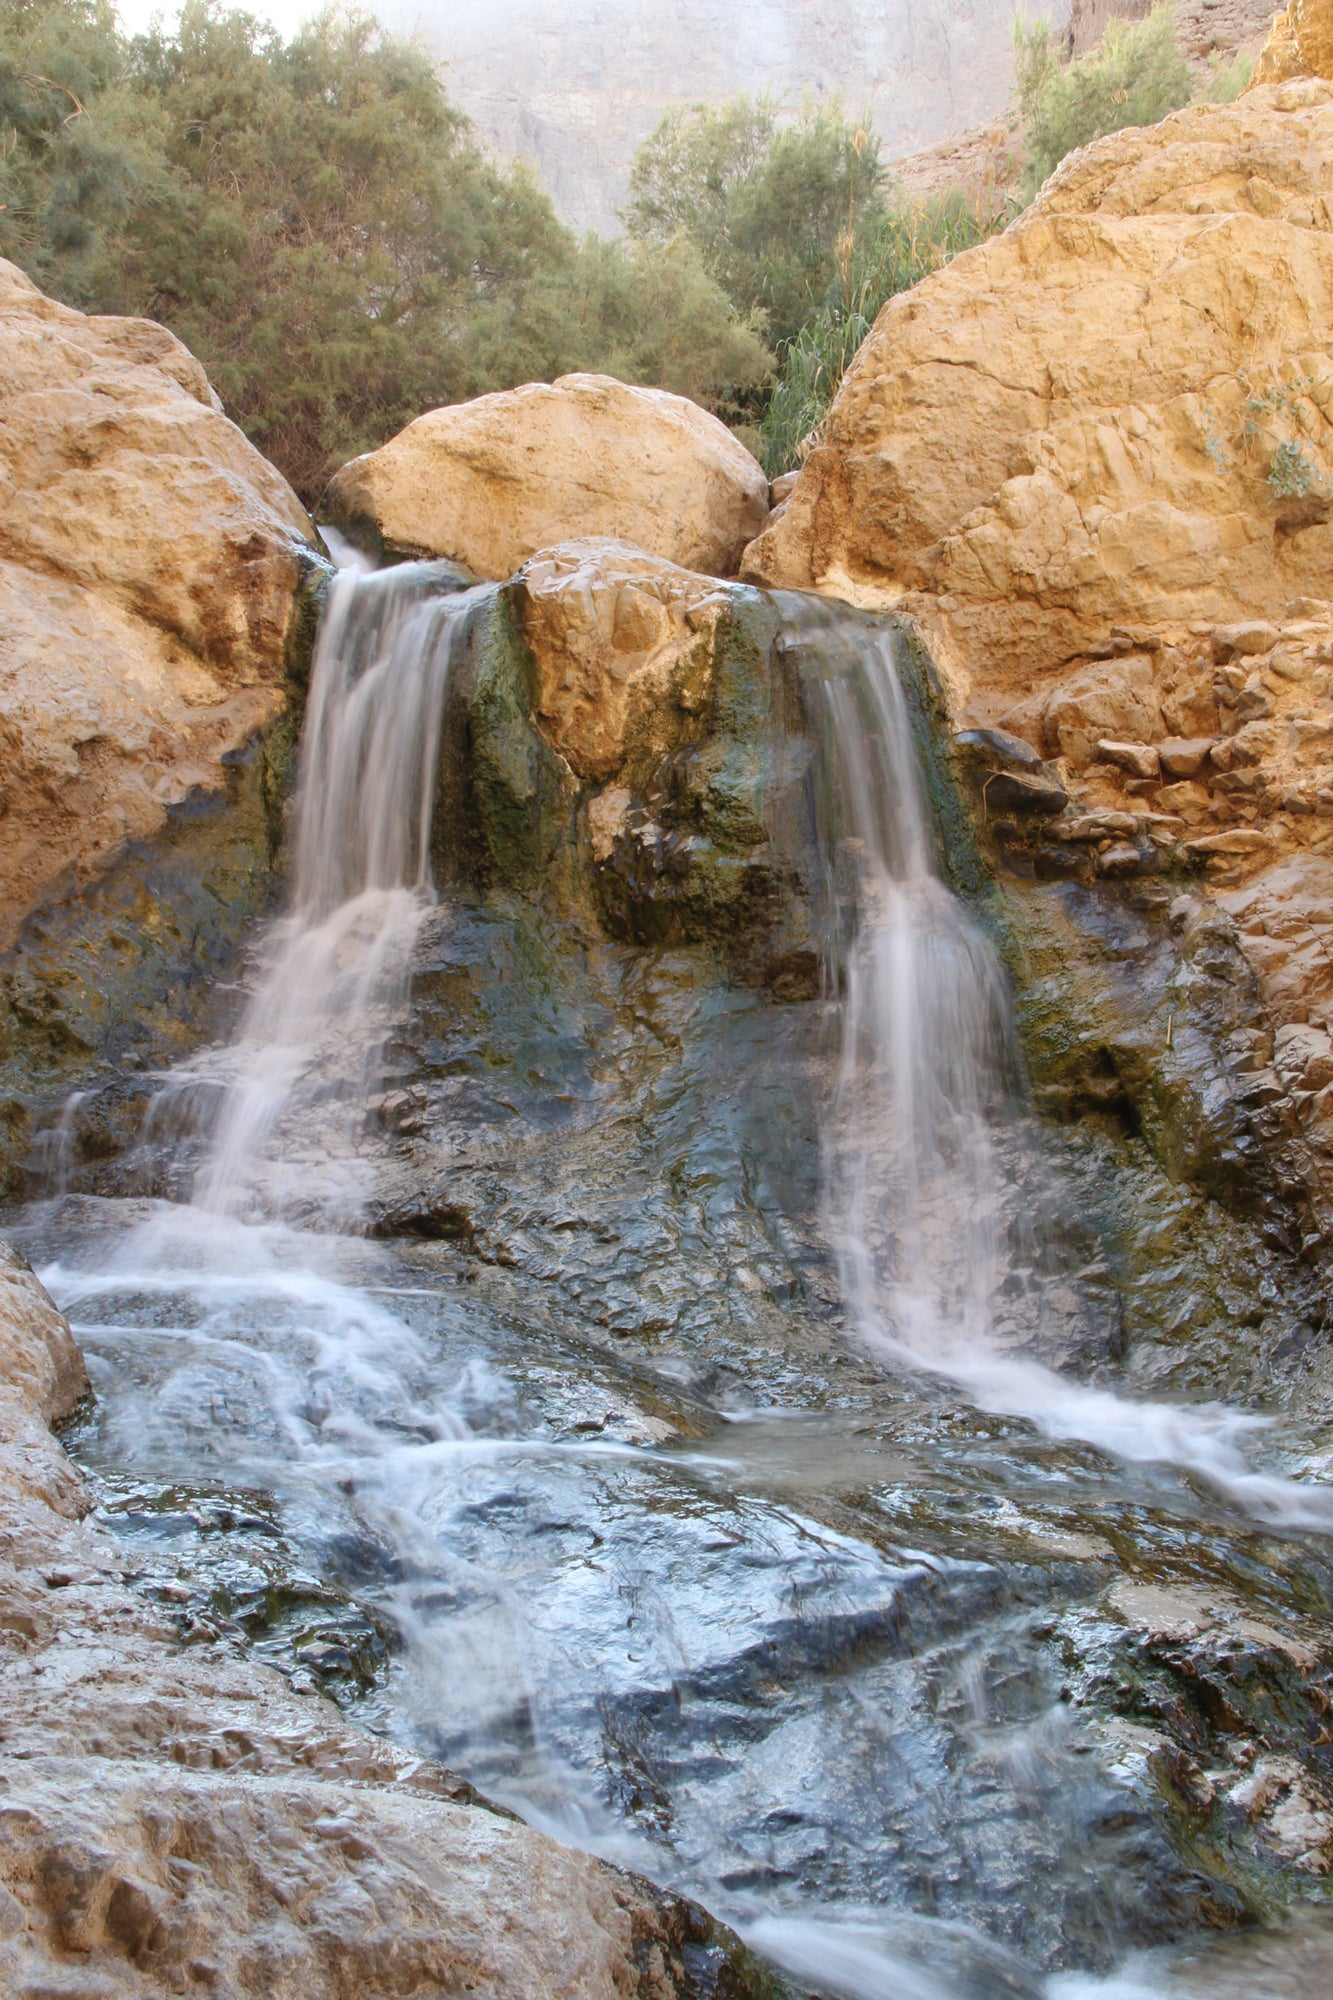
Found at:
<point>490,482</point>
<point>152,567</point>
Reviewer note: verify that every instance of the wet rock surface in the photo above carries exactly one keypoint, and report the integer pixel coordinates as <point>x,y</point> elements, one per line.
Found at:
<point>776,1620</point>
<point>174,1818</point>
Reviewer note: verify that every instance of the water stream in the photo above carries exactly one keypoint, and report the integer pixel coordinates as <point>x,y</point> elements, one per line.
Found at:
<point>789,1639</point>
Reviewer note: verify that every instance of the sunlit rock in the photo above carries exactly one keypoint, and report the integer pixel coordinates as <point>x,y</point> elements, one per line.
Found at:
<point>623,643</point>
<point>150,565</point>
<point>490,482</point>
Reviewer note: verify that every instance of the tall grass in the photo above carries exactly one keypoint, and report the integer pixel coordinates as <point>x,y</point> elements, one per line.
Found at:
<point>914,239</point>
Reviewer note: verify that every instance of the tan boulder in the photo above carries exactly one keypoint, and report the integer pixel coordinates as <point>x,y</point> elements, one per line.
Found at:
<point>489,483</point>
<point>623,646</point>
<point>1094,458</point>
<point>149,567</point>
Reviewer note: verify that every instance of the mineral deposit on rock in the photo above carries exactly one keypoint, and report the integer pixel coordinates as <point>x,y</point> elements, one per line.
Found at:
<point>489,483</point>
<point>149,564</point>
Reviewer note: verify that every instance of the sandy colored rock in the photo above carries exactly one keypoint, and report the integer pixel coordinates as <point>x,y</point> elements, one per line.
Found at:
<point>175,1818</point>
<point>621,641</point>
<point>1094,458</point>
<point>1183,756</point>
<point>149,564</point>
<point>1300,43</point>
<point>491,482</point>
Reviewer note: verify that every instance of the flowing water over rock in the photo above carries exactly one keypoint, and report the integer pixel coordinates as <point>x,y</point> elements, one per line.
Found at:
<point>718,1447</point>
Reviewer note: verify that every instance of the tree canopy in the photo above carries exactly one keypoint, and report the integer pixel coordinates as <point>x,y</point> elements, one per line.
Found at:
<point>318,223</point>
<point>773,208</point>
<point>1135,76</point>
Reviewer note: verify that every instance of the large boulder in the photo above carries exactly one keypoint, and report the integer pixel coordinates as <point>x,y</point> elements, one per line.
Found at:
<point>150,564</point>
<point>489,483</point>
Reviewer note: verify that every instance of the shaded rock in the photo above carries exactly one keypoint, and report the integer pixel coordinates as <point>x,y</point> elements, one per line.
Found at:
<point>489,483</point>
<point>151,565</point>
<point>1182,756</point>
<point>1139,759</point>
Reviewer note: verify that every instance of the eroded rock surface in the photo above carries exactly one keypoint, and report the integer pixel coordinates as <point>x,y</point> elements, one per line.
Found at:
<point>615,635</point>
<point>174,1819</point>
<point>490,482</point>
<point>150,564</point>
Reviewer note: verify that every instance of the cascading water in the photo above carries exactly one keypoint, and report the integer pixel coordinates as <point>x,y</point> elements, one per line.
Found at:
<point>913,1189</point>
<point>735,1664</point>
<point>335,969</point>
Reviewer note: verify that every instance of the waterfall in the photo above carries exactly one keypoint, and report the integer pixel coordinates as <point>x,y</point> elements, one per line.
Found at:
<point>334,972</point>
<point>913,1191</point>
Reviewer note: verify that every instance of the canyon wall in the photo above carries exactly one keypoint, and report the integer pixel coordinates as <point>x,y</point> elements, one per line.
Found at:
<point>576,86</point>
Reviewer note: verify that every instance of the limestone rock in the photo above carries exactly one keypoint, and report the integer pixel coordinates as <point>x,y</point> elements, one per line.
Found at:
<point>177,1818</point>
<point>149,566</point>
<point>1300,43</point>
<point>489,483</point>
<point>1094,457</point>
<point>620,640</point>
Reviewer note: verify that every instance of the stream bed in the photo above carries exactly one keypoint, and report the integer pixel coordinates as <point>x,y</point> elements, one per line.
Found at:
<point>708,1423</point>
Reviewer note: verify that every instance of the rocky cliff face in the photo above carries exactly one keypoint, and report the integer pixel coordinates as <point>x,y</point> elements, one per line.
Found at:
<point>576,87</point>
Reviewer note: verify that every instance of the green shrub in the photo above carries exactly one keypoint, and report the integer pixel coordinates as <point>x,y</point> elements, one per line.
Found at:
<point>318,223</point>
<point>908,242</point>
<point>1136,77</point>
<point>772,207</point>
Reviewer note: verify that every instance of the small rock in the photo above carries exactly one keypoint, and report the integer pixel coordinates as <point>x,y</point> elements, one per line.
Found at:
<point>1013,791</point>
<point>1119,859</point>
<point>1236,840</point>
<point>1001,746</point>
<point>1289,664</point>
<point>1139,759</point>
<point>1182,756</point>
<point>1254,636</point>
<point>780,489</point>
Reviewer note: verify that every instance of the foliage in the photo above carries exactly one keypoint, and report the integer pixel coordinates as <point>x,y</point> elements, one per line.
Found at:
<point>1135,77</point>
<point>1226,80</point>
<point>1275,426</point>
<point>773,208</point>
<point>909,242</point>
<point>72,157</point>
<point>317,222</point>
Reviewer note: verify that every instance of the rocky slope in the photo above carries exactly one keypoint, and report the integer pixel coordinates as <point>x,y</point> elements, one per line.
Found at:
<point>1092,458</point>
